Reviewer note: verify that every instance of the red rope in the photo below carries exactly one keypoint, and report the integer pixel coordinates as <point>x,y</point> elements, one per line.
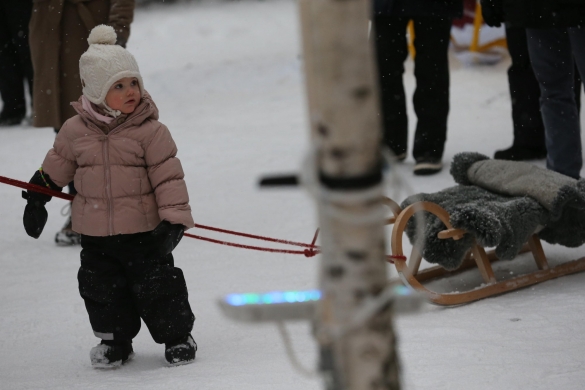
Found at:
<point>310,252</point>
<point>263,238</point>
<point>35,188</point>
<point>306,252</point>
<point>391,258</point>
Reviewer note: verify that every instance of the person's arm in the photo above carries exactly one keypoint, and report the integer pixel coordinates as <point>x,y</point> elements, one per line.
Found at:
<point>121,16</point>
<point>167,178</point>
<point>60,163</point>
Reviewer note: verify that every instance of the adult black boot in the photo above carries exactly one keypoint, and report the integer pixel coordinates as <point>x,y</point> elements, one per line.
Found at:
<point>427,165</point>
<point>518,153</point>
<point>9,117</point>
<point>10,121</point>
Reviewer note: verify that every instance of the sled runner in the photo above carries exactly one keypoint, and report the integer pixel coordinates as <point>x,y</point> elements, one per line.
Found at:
<point>441,238</point>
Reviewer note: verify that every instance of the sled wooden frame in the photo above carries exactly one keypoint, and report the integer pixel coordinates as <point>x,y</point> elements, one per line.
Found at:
<point>411,276</point>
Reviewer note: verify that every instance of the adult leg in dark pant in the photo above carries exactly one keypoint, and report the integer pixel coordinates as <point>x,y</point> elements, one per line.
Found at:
<point>15,60</point>
<point>123,278</point>
<point>391,52</point>
<point>524,93</point>
<point>551,53</point>
<point>431,97</point>
<point>577,37</point>
<point>529,140</point>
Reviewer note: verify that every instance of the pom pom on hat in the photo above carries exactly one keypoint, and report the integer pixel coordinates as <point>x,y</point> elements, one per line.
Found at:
<point>102,35</point>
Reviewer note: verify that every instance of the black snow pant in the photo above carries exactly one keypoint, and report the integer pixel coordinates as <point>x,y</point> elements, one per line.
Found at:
<point>122,279</point>
<point>431,70</point>
<point>15,59</point>
<point>525,93</point>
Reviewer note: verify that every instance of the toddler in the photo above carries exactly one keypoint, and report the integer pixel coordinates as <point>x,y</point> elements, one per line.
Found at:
<point>131,209</point>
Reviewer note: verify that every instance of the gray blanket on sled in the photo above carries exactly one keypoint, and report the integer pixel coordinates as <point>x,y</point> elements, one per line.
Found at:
<point>501,203</point>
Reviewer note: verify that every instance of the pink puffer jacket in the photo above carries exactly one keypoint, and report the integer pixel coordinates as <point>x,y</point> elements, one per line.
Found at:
<point>127,175</point>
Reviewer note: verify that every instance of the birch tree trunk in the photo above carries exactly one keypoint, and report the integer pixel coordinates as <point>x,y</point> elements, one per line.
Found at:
<point>346,132</point>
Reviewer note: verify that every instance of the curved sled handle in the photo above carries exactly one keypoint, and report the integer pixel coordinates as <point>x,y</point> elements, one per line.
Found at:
<point>396,210</point>
<point>402,220</point>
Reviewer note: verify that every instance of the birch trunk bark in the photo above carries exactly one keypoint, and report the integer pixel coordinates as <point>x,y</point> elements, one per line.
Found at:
<point>343,111</point>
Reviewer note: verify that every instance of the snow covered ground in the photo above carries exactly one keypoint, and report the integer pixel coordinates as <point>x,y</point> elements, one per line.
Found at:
<point>227,79</point>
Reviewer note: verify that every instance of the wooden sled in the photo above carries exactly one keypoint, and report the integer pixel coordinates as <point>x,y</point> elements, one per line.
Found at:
<point>410,275</point>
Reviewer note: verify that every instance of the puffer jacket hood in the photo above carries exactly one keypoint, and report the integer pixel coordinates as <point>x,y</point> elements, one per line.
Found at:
<point>146,109</point>
<point>126,173</point>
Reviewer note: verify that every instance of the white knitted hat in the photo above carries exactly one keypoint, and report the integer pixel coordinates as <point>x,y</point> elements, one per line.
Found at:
<point>104,63</point>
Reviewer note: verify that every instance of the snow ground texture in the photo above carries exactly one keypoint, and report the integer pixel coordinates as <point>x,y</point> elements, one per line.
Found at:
<point>227,79</point>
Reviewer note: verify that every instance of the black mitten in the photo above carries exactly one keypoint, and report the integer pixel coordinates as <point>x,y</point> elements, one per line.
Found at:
<point>492,12</point>
<point>35,215</point>
<point>169,235</point>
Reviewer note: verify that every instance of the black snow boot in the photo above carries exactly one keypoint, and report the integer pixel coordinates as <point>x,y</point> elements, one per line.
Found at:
<point>519,153</point>
<point>181,351</point>
<point>111,354</point>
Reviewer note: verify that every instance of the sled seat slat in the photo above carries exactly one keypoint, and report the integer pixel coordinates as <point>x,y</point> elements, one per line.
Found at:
<point>455,234</point>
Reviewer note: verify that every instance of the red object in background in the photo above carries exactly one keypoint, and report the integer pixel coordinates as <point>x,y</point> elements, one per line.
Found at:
<point>468,14</point>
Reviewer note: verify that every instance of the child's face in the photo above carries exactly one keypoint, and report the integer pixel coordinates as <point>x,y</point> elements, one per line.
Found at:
<point>124,95</point>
